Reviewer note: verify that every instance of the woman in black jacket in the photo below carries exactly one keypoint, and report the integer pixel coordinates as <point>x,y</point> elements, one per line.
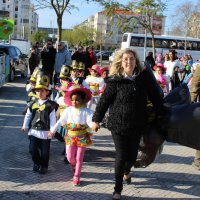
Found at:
<point>128,87</point>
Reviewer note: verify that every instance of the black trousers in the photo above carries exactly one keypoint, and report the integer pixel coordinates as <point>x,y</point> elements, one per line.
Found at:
<point>126,147</point>
<point>40,149</point>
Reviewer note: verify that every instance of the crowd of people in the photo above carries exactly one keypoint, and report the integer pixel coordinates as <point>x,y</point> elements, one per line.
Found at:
<point>171,71</point>
<point>86,93</point>
<point>78,83</point>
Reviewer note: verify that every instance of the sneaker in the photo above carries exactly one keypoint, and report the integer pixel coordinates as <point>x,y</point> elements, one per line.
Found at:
<point>116,196</point>
<point>43,170</point>
<point>36,168</point>
<point>76,181</point>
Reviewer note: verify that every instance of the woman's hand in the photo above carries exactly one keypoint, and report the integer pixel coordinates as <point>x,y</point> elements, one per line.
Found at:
<point>50,134</point>
<point>24,129</point>
<point>95,126</point>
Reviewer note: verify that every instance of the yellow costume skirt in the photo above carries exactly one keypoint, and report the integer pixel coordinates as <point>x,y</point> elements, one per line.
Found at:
<point>78,135</point>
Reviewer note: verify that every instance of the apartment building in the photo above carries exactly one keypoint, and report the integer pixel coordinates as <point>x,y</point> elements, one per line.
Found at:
<point>22,11</point>
<point>109,34</point>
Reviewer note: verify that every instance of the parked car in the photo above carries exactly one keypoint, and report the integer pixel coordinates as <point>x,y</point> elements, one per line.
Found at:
<point>18,60</point>
<point>104,54</point>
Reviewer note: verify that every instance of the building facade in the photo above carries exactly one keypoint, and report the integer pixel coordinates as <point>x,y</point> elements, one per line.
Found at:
<point>26,19</point>
<point>109,34</point>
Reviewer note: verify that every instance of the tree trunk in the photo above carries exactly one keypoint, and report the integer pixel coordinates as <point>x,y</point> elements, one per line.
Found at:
<point>153,45</point>
<point>59,32</point>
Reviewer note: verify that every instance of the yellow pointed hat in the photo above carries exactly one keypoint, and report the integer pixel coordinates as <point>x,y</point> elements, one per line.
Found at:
<point>42,81</point>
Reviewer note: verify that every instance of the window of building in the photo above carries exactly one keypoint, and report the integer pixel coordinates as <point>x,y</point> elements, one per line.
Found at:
<point>25,20</point>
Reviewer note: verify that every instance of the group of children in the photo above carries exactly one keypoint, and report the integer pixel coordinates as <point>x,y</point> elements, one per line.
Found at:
<point>184,69</point>
<point>69,114</point>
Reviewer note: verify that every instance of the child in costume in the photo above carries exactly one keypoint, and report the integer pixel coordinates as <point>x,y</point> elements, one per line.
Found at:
<point>105,72</point>
<point>78,120</point>
<point>64,77</point>
<point>39,119</point>
<point>104,75</point>
<point>65,82</point>
<point>162,80</point>
<point>96,84</point>
<point>81,70</point>
<point>77,68</point>
<point>187,76</point>
<point>30,88</point>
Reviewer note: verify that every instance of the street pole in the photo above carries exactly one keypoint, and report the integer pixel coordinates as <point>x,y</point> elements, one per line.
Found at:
<point>185,45</point>
<point>145,43</point>
<point>101,52</point>
<point>145,37</point>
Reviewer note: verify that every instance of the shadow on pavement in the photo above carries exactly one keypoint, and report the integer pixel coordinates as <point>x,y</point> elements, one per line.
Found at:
<point>97,155</point>
<point>72,195</point>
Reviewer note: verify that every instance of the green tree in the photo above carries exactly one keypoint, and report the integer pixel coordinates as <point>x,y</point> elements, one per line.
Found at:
<point>80,35</point>
<point>143,13</point>
<point>39,36</point>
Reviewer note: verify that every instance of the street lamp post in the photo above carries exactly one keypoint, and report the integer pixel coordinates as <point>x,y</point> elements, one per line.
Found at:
<point>185,48</point>
<point>145,36</point>
<point>145,42</point>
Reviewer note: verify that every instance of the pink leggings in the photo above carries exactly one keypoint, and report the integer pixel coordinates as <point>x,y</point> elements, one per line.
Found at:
<point>75,157</point>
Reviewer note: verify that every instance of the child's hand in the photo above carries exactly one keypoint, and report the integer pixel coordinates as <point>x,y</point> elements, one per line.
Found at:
<point>95,126</point>
<point>50,134</point>
<point>95,93</point>
<point>24,129</point>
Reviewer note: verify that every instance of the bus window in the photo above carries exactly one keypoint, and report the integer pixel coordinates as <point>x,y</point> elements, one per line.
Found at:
<point>134,41</point>
<point>180,44</point>
<point>158,43</point>
<point>198,46</point>
<point>124,38</point>
<point>165,44</point>
<point>149,42</point>
<point>173,44</point>
<point>189,45</point>
<point>141,42</point>
<point>194,45</point>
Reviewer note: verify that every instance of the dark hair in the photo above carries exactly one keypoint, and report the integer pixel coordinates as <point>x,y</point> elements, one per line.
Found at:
<point>81,94</point>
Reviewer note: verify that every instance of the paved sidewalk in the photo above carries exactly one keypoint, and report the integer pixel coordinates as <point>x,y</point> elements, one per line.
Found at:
<point>171,176</point>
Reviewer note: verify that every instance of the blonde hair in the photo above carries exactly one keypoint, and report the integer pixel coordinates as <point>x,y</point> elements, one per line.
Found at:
<point>116,66</point>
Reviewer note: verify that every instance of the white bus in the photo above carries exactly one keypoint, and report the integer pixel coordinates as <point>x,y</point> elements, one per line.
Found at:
<point>163,43</point>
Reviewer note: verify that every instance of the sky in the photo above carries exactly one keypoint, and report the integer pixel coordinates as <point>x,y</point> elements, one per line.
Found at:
<point>47,17</point>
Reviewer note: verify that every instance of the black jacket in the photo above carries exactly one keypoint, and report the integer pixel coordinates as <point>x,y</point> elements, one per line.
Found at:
<point>127,101</point>
<point>48,59</point>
